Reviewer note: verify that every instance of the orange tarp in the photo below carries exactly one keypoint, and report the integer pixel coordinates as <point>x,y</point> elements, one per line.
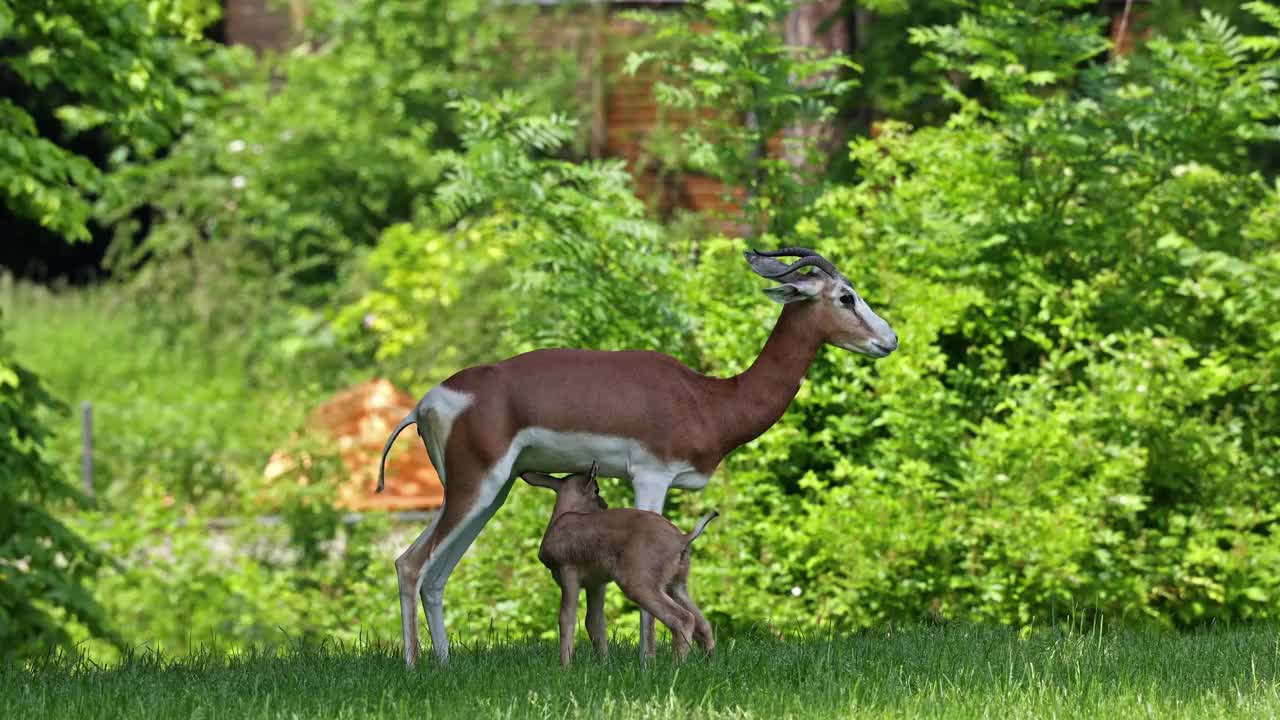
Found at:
<point>359,420</point>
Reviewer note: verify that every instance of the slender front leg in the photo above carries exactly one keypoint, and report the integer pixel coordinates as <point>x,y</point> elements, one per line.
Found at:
<point>651,495</point>
<point>568,616</point>
<point>595,619</point>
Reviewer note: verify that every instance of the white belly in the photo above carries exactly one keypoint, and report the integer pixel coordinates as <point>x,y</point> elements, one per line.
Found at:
<point>551,451</point>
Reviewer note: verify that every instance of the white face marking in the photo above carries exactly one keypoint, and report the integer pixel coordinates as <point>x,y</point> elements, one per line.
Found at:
<point>866,321</point>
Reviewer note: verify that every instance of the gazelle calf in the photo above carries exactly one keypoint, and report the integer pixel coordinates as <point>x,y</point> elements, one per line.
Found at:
<point>587,545</point>
<point>646,417</point>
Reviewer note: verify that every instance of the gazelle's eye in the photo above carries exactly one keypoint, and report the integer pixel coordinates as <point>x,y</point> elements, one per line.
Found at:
<point>847,301</point>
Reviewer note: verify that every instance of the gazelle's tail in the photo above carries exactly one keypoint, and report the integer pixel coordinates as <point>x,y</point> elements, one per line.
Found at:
<point>697,529</point>
<point>409,419</point>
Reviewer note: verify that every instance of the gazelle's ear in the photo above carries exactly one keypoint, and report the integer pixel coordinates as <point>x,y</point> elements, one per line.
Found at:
<point>542,480</point>
<point>803,288</point>
<point>591,485</point>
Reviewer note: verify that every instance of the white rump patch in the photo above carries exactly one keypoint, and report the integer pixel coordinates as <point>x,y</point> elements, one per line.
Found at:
<point>436,412</point>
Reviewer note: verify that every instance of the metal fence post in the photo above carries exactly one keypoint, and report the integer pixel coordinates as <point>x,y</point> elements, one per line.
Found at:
<point>86,447</point>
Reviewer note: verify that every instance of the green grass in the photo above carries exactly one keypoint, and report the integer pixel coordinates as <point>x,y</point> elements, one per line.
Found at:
<point>950,671</point>
<point>188,414</point>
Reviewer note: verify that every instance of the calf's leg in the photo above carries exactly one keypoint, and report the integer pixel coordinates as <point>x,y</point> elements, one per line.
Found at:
<point>595,619</point>
<point>669,612</point>
<point>568,615</point>
<point>701,628</point>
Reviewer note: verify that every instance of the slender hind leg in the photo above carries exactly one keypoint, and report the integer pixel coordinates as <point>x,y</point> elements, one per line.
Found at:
<point>441,563</point>
<point>701,628</point>
<point>651,495</point>
<point>409,576</point>
<point>672,614</point>
<point>429,431</point>
<point>425,567</point>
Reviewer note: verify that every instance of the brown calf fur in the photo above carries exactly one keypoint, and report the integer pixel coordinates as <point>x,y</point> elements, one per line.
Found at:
<point>587,545</point>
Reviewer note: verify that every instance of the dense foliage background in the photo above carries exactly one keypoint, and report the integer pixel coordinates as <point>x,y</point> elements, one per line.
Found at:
<point>1080,250</point>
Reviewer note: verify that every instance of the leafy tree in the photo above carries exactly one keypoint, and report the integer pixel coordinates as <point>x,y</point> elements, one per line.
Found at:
<point>130,69</point>
<point>132,72</point>
<point>527,250</point>
<point>1082,260</point>
<point>894,84</point>
<point>727,64</point>
<point>312,155</point>
<point>45,567</point>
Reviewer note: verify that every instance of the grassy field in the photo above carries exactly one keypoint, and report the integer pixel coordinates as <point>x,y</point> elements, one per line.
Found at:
<point>185,414</point>
<point>953,672</point>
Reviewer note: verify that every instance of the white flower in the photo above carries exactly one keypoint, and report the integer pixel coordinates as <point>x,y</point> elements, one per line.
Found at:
<point>238,182</point>
<point>368,320</point>
<point>795,591</point>
<point>235,146</point>
<point>1142,388</point>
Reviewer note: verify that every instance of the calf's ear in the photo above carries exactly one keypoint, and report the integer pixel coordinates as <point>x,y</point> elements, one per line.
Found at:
<point>542,480</point>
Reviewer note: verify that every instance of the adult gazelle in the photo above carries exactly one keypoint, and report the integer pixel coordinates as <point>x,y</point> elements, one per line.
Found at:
<point>642,415</point>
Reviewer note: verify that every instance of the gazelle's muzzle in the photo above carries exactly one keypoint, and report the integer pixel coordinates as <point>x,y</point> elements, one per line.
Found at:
<point>881,340</point>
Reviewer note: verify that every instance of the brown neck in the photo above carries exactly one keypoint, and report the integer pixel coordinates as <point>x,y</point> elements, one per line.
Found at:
<point>754,400</point>
<point>560,509</point>
<point>563,508</point>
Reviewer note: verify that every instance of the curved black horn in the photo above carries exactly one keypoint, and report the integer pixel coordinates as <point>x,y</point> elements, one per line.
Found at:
<point>786,252</point>
<point>815,260</point>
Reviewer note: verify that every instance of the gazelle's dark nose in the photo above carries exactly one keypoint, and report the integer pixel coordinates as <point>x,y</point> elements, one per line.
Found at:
<point>886,347</point>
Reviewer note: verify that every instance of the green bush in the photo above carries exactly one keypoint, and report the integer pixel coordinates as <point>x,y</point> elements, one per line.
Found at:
<point>312,155</point>
<point>185,583</point>
<point>45,567</point>
<point>728,64</point>
<point>527,251</point>
<point>1082,416</point>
